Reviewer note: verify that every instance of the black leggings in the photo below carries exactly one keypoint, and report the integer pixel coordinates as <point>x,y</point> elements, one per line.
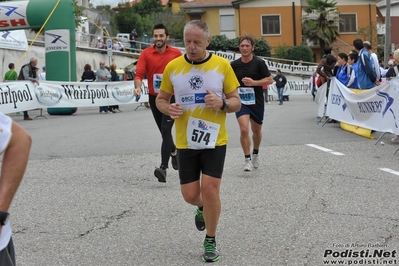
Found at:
<point>165,124</point>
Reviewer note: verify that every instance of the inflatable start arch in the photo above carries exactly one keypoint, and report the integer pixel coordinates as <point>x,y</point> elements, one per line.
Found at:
<point>58,16</point>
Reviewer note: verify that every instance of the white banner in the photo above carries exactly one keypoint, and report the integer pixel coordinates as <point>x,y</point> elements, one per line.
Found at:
<point>15,40</point>
<point>291,88</point>
<point>375,109</point>
<point>57,41</point>
<point>25,95</point>
<point>230,56</point>
<point>320,99</point>
<point>273,66</point>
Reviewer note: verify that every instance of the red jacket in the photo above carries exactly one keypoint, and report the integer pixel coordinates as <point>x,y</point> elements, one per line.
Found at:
<point>153,62</point>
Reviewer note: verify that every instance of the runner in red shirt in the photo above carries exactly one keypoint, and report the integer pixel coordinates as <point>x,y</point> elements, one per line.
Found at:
<point>152,62</point>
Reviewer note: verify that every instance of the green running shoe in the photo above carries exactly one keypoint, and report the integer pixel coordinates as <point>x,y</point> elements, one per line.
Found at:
<point>211,253</point>
<point>199,220</point>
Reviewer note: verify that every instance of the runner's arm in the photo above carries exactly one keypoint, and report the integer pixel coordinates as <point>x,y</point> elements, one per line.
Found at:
<point>173,110</point>
<point>234,102</point>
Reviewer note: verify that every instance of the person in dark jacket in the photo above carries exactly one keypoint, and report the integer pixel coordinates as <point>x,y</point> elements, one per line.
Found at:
<point>280,84</point>
<point>114,77</point>
<point>29,72</point>
<point>88,74</point>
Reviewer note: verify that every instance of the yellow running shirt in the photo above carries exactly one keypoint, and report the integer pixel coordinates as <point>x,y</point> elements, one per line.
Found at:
<point>188,81</point>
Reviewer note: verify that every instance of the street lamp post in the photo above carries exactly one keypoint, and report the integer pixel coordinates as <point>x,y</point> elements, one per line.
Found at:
<point>387,50</point>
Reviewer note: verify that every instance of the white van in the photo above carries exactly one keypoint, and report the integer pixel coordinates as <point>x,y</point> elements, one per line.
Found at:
<point>124,38</point>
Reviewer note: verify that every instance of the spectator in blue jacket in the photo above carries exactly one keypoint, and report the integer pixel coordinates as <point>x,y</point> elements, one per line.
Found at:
<point>342,69</point>
<point>366,76</point>
<point>352,61</point>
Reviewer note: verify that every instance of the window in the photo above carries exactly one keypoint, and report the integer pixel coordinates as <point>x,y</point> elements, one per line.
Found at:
<point>347,23</point>
<point>195,16</point>
<point>227,22</point>
<point>271,24</point>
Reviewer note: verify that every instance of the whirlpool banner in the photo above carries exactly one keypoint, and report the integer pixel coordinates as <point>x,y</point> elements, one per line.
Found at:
<point>19,96</point>
<point>375,109</point>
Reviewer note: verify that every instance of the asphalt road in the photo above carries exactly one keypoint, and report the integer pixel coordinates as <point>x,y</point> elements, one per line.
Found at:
<point>89,196</point>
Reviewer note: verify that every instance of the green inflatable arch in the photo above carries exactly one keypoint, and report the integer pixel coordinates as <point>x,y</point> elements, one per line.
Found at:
<point>58,18</point>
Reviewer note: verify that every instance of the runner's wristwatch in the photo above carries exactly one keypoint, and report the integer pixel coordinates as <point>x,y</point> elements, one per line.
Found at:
<point>225,105</point>
<point>4,216</point>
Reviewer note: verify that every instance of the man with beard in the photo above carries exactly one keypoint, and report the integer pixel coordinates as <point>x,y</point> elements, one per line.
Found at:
<point>152,62</point>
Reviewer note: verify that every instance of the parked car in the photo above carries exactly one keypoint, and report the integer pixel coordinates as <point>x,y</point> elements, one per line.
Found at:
<point>124,75</point>
<point>130,70</point>
<point>124,38</point>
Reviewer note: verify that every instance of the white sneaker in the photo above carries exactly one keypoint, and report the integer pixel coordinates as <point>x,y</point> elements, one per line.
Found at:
<point>248,165</point>
<point>395,140</point>
<point>255,160</point>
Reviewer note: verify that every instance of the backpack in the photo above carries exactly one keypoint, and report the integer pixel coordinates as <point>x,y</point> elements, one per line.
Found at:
<point>319,81</point>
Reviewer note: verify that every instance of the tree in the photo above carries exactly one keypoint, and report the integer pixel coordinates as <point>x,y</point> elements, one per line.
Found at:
<point>173,21</point>
<point>146,7</point>
<point>300,52</point>
<point>137,16</point>
<point>369,33</point>
<point>78,14</point>
<point>320,22</point>
<point>262,48</point>
<point>282,52</point>
<point>126,20</point>
<point>219,43</point>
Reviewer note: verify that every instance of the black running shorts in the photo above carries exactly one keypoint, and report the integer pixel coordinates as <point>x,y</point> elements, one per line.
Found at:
<point>7,255</point>
<point>255,112</point>
<point>194,162</point>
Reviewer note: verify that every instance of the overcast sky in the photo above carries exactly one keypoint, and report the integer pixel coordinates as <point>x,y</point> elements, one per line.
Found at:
<point>112,3</point>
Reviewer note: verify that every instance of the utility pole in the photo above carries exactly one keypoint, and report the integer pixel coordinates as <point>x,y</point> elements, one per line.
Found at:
<point>387,50</point>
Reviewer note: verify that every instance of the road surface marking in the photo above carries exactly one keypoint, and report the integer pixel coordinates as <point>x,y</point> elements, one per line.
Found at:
<point>325,149</point>
<point>390,171</point>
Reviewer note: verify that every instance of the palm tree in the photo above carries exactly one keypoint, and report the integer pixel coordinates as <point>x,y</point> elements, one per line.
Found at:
<point>320,22</point>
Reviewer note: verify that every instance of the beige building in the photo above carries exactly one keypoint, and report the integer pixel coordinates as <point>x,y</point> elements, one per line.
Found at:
<point>279,21</point>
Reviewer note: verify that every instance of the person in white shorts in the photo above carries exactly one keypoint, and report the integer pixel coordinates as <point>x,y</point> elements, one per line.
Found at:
<point>15,145</point>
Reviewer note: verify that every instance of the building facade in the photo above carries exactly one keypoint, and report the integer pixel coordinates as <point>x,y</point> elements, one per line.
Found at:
<point>280,21</point>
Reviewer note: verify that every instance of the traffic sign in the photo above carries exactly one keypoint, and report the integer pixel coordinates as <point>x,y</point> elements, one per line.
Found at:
<point>109,47</point>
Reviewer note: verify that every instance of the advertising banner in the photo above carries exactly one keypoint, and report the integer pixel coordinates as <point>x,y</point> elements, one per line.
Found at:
<point>20,96</point>
<point>15,40</point>
<point>13,15</point>
<point>375,108</point>
<point>57,41</point>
